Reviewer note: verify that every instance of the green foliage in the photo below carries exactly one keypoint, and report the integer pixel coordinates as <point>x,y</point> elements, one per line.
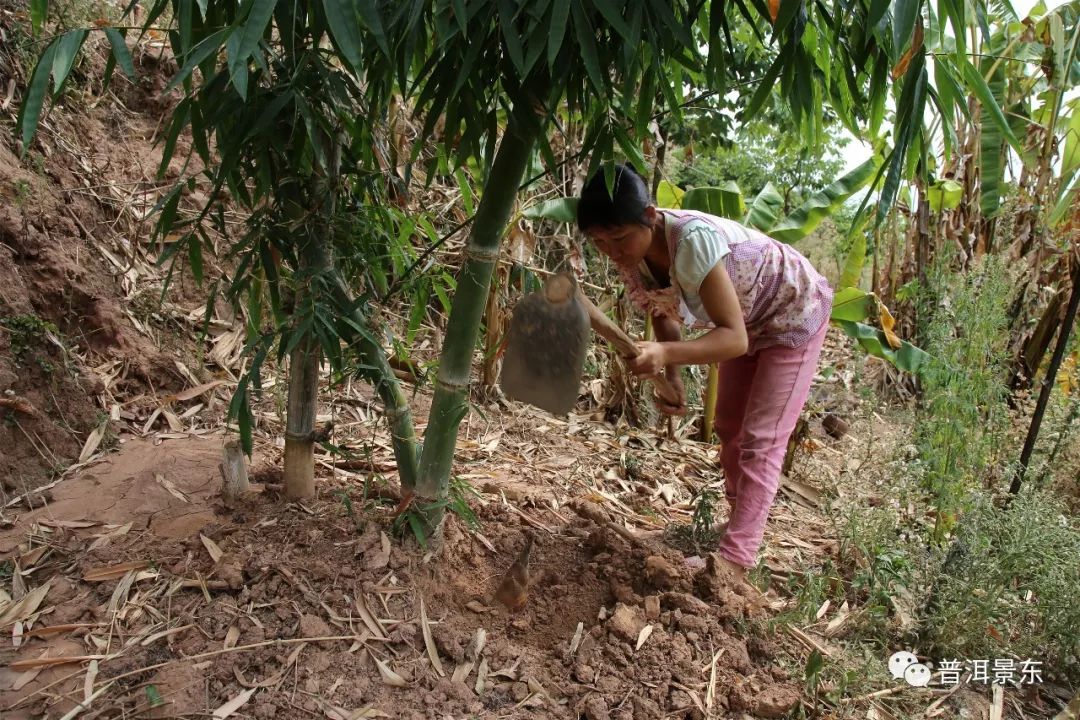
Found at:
<point>961,420</point>
<point>415,519</point>
<point>874,341</point>
<point>726,201</point>
<point>28,338</point>
<point>1009,586</point>
<point>762,154</point>
<point>701,534</point>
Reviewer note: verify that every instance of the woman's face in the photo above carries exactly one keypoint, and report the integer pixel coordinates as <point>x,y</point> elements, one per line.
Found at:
<point>626,245</point>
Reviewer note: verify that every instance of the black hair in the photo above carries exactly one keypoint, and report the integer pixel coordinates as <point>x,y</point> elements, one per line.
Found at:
<point>625,205</point>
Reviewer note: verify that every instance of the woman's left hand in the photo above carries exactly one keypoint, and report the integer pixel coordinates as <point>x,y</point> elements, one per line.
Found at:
<point>651,361</point>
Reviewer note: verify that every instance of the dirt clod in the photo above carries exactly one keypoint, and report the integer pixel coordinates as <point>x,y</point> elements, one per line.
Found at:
<point>311,626</point>
<point>652,607</point>
<point>596,709</point>
<point>661,573</point>
<point>626,622</point>
<point>776,701</point>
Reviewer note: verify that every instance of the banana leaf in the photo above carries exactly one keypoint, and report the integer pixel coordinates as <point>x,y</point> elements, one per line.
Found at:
<point>851,304</point>
<point>765,208</point>
<point>908,358</point>
<point>724,201</point>
<point>823,203</point>
<point>669,195</point>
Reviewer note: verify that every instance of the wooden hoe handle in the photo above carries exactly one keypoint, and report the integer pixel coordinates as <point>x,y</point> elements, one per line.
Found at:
<point>614,334</point>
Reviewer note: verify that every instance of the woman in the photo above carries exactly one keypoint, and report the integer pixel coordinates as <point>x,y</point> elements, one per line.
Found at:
<point>767,311</point>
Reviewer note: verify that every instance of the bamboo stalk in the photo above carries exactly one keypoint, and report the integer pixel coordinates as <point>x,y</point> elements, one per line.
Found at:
<point>712,388</point>
<point>1048,383</point>
<point>449,405</point>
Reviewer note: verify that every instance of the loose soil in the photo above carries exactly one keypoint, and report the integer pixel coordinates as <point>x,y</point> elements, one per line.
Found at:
<point>660,634</point>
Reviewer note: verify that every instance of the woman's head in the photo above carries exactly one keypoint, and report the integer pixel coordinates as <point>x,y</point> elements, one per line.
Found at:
<point>620,222</point>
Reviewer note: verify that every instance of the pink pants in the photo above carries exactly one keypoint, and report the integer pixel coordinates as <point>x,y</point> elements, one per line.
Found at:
<point>758,405</point>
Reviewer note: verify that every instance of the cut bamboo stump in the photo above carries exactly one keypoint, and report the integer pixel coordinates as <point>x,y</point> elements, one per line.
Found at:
<point>233,472</point>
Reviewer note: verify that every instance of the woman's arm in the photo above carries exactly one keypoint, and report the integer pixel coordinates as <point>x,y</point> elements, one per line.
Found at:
<point>726,341</point>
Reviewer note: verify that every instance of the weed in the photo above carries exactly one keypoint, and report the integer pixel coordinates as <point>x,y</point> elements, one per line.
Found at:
<point>27,334</point>
<point>1007,587</point>
<point>631,465</point>
<point>701,534</point>
<point>961,420</point>
<point>347,503</point>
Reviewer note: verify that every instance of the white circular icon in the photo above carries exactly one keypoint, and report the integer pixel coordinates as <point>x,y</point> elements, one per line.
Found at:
<point>900,661</point>
<point>917,675</point>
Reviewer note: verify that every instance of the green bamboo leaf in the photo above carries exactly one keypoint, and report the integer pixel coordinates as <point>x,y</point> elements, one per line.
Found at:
<point>909,114</point>
<point>587,44</point>
<point>560,12</point>
<point>195,258</point>
<point>905,15</point>
<point>977,84</point>
<point>30,112</point>
<point>853,305</point>
<point>66,49</point>
<point>120,51</point>
<point>609,9</point>
<point>344,28</point>
<point>251,32</point>
<point>461,15</point>
<point>238,66</point>
<point>876,14</point>
<point>511,35</point>
<point>908,358</point>
<point>631,149</point>
<point>466,190</point>
<point>954,10</point>
<point>39,11</point>
<point>369,11</point>
<point>208,47</point>
<point>787,12</point>
<point>662,10</point>
<point>765,208</point>
<point>823,203</point>
<point>558,209</point>
<point>724,201</point>
<point>646,100</point>
<point>765,88</point>
<point>669,195</point>
<point>419,311</point>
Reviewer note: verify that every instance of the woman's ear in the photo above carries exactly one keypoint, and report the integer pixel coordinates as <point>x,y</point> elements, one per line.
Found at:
<point>650,215</point>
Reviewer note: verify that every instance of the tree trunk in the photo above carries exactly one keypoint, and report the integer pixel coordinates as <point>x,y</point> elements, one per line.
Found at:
<point>1048,382</point>
<point>450,404</point>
